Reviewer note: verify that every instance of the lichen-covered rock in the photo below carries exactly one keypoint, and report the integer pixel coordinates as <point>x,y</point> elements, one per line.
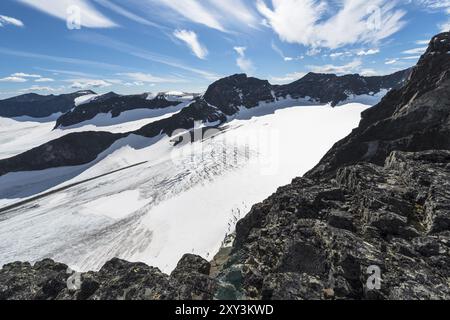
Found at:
<point>378,218</point>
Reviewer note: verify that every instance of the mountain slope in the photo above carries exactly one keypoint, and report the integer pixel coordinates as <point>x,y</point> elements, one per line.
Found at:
<point>37,106</point>
<point>412,118</point>
<point>319,238</point>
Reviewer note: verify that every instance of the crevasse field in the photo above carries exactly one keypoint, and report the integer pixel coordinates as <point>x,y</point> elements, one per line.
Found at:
<point>178,199</point>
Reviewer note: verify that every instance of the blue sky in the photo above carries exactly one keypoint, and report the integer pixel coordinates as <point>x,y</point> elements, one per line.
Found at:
<point>53,47</point>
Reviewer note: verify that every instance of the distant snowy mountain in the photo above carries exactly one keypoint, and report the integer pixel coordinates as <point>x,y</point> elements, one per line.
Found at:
<point>38,106</point>
<point>114,105</point>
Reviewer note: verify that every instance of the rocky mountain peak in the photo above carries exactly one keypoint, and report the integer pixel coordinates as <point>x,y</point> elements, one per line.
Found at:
<point>414,117</point>
<point>229,93</point>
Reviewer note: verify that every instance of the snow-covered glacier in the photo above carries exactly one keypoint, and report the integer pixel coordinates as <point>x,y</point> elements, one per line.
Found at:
<point>175,200</point>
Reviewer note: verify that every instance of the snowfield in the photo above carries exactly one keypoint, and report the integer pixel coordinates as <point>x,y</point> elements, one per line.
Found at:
<point>183,199</point>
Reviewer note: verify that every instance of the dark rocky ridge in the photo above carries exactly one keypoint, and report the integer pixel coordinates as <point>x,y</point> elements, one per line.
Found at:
<point>114,104</point>
<point>38,106</point>
<point>329,88</point>
<point>315,238</point>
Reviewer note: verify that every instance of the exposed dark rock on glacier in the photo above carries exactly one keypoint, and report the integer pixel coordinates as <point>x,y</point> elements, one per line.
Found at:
<point>70,150</point>
<point>378,204</point>
<point>114,104</point>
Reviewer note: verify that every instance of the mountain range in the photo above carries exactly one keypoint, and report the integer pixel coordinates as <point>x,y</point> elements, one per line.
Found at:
<point>379,200</point>
<point>222,100</point>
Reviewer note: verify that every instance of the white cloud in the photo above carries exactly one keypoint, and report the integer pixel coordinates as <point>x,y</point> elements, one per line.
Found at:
<point>64,60</point>
<point>369,72</point>
<point>41,88</point>
<point>235,11</point>
<point>193,11</point>
<point>391,61</point>
<point>290,77</point>
<point>368,52</point>
<point>113,44</point>
<point>13,79</point>
<point>420,50</point>
<point>88,83</point>
<point>127,14</point>
<point>25,75</point>
<point>307,22</point>
<point>148,78</point>
<point>411,58</point>
<point>336,54</point>
<point>283,56</point>
<point>242,61</point>
<point>422,42</point>
<point>90,16</point>
<point>439,5</point>
<point>5,20</point>
<point>44,80</point>
<point>191,39</point>
<point>350,67</point>
<point>211,13</point>
<point>445,27</point>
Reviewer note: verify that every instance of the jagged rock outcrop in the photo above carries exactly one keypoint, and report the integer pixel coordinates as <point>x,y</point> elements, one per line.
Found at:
<point>38,106</point>
<point>117,280</point>
<point>412,118</point>
<point>199,110</point>
<point>314,240</point>
<point>366,225</point>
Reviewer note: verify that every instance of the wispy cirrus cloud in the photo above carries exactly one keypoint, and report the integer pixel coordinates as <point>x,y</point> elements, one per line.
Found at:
<point>66,60</point>
<point>37,88</point>
<point>6,20</point>
<point>218,15</point>
<point>107,42</point>
<point>415,50</point>
<point>242,61</point>
<point>44,80</point>
<point>90,16</point>
<point>126,13</point>
<point>88,83</point>
<point>283,56</point>
<point>309,22</point>
<point>351,67</point>
<point>438,5</point>
<point>149,78</point>
<point>190,38</point>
